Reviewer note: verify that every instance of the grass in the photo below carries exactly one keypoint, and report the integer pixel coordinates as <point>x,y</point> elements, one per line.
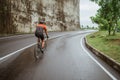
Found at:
<point>109,45</point>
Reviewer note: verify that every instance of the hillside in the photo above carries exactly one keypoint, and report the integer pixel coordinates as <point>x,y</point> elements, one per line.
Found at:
<point>20,15</point>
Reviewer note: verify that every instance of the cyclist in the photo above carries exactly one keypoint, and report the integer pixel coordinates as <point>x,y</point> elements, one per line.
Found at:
<point>39,32</point>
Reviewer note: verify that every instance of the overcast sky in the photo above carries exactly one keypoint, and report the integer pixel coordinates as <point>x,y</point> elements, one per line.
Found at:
<point>87,9</point>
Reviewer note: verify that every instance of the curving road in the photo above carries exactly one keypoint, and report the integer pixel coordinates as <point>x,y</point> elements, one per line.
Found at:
<point>66,58</point>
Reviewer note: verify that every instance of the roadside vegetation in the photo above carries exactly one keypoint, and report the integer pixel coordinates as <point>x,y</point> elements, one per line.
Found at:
<point>109,45</point>
<point>107,39</point>
<point>108,15</point>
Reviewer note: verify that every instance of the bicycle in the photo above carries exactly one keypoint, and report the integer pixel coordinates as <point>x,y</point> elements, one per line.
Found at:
<point>39,51</point>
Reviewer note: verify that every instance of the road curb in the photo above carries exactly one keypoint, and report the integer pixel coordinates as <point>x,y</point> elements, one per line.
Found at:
<point>105,58</point>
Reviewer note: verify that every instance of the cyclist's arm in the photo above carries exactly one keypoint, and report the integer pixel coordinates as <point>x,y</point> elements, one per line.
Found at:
<point>46,32</point>
<point>45,28</point>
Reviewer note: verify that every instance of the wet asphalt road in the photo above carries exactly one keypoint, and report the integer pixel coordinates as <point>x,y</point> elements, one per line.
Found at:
<point>14,43</point>
<point>66,58</point>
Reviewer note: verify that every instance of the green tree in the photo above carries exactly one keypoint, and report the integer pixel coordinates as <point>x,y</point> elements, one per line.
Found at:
<point>109,12</point>
<point>100,21</point>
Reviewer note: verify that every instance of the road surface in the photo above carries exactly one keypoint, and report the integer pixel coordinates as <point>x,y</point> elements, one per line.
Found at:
<point>66,58</point>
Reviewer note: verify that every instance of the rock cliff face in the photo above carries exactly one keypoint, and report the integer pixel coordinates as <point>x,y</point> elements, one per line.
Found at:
<point>60,15</point>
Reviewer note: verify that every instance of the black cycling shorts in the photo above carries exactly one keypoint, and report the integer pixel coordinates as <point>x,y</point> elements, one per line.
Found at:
<point>39,35</point>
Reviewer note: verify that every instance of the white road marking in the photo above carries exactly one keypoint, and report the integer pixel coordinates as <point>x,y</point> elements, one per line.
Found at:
<point>16,52</point>
<point>97,61</point>
<point>13,53</point>
<point>10,54</point>
<point>10,37</point>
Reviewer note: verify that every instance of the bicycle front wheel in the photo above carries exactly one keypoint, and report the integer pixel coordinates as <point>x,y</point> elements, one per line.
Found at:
<point>37,52</point>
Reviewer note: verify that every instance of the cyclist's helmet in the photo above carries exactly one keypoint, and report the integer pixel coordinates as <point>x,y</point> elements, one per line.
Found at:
<point>41,22</point>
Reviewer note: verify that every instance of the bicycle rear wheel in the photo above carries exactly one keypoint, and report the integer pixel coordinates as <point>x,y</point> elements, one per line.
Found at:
<point>45,45</point>
<point>37,52</point>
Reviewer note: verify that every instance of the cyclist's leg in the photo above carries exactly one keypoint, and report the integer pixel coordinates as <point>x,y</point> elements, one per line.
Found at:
<point>38,38</point>
<point>43,43</point>
<point>42,39</point>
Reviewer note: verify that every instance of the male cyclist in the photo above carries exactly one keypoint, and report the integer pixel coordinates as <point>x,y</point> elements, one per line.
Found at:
<point>39,32</point>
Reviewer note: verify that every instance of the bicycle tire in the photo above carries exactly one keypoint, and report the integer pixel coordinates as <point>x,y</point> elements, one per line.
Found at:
<point>45,47</point>
<point>37,52</point>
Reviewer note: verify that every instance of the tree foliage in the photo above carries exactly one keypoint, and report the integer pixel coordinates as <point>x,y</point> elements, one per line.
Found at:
<point>108,15</point>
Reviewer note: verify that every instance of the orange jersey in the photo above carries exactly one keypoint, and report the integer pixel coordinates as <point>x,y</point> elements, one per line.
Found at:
<point>43,26</point>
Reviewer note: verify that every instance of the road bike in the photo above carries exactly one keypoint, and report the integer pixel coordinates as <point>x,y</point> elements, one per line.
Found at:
<point>39,51</point>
